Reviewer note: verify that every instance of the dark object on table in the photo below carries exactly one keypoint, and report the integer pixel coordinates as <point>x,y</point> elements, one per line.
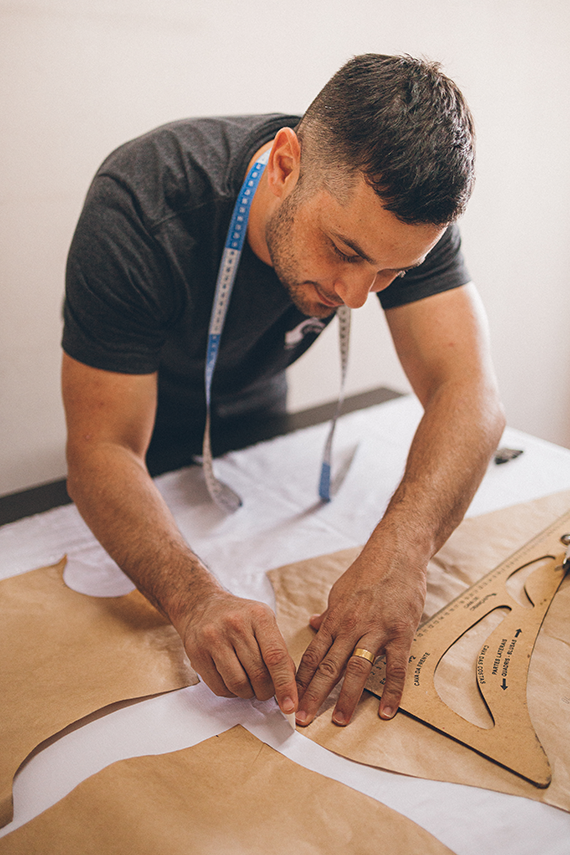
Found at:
<point>503,455</point>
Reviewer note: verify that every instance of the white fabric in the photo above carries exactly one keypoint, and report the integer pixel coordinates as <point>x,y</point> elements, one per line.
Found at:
<point>282,521</point>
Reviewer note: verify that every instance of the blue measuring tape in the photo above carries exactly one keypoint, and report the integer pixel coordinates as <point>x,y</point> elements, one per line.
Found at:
<point>223,495</point>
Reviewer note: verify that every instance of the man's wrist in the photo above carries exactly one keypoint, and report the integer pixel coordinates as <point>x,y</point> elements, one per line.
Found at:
<point>400,534</point>
<point>182,588</point>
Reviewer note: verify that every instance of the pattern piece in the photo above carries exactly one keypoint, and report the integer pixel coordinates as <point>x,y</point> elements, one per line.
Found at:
<point>408,746</point>
<point>230,794</point>
<point>64,655</point>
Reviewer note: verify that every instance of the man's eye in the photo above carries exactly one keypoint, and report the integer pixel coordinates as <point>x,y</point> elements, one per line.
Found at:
<point>350,259</point>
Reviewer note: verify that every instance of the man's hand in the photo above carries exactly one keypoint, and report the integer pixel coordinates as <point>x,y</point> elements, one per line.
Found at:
<point>235,646</point>
<point>376,605</point>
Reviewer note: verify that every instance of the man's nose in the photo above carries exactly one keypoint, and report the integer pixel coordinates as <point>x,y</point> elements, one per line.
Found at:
<point>353,287</point>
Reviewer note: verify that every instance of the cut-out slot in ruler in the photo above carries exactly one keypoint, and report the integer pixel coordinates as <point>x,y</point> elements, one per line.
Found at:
<point>500,669</point>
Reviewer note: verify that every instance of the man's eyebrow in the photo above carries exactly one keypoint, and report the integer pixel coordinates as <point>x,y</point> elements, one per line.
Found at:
<point>354,245</point>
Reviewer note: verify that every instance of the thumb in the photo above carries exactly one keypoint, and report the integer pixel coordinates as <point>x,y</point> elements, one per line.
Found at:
<point>316,620</point>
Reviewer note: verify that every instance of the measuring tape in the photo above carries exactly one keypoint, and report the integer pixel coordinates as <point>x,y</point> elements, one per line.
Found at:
<point>343,315</point>
<point>223,495</point>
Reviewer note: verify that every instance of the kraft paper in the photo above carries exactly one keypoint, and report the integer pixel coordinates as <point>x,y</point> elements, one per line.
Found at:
<point>64,655</point>
<point>406,745</point>
<point>230,794</point>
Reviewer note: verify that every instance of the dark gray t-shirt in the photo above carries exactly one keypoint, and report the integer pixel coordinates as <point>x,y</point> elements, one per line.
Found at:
<point>143,265</point>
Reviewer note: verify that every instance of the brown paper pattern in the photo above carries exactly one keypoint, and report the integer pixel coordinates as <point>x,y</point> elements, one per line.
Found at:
<point>64,655</point>
<point>230,795</point>
<point>406,745</point>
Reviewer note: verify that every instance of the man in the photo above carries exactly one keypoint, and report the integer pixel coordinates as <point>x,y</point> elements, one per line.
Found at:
<point>359,196</point>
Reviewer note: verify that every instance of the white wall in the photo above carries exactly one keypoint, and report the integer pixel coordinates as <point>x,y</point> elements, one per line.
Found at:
<point>79,77</point>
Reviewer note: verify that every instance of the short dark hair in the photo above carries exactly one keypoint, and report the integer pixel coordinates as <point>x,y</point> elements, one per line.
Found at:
<point>403,125</point>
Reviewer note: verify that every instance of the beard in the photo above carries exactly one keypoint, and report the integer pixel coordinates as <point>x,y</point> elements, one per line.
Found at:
<point>280,243</point>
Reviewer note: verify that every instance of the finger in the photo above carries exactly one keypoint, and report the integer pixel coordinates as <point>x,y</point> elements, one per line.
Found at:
<point>312,658</point>
<point>396,667</point>
<point>232,674</point>
<point>356,674</point>
<point>279,666</point>
<point>327,674</point>
<point>258,676</point>
<point>210,675</point>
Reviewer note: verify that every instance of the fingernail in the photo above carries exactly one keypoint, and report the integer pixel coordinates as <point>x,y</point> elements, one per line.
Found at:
<point>339,718</point>
<point>302,718</point>
<point>288,706</point>
<point>387,712</point>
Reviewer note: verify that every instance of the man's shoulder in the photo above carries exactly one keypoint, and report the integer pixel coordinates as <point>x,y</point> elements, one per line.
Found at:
<point>187,163</point>
<point>198,140</point>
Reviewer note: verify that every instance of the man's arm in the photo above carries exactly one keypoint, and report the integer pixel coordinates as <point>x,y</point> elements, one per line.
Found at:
<point>377,604</point>
<point>233,643</point>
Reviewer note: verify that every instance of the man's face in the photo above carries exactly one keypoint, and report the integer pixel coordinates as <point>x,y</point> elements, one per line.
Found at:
<point>327,253</point>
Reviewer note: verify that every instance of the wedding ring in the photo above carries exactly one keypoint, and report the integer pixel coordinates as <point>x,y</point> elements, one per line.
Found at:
<point>364,654</point>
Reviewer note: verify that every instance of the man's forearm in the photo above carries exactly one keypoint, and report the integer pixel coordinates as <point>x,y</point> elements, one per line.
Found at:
<point>448,457</point>
<point>234,644</point>
<point>378,602</point>
<point>120,503</point>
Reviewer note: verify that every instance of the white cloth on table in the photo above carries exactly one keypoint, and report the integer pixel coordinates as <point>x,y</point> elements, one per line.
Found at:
<point>282,521</point>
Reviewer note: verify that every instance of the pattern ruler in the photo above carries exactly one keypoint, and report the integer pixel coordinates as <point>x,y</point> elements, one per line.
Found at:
<point>500,668</point>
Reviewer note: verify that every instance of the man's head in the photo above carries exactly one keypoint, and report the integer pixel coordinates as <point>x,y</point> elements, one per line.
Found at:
<point>379,165</point>
<point>401,124</point>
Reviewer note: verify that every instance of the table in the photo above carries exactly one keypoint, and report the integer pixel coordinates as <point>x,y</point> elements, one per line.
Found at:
<point>282,521</point>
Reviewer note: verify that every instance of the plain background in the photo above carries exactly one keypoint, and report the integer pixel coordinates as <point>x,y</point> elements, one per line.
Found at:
<point>80,77</point>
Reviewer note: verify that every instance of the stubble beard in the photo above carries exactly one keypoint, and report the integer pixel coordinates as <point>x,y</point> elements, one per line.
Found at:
<point>278,236</point>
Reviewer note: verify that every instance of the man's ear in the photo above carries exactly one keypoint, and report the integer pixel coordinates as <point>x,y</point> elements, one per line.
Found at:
<point>284,163</point>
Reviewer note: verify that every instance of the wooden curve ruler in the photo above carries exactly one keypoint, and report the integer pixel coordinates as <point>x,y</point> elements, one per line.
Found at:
<point>500,669</point>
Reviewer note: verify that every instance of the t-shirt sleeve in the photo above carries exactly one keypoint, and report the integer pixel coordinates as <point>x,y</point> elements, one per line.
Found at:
<point>120,298</point>
<point>442,270</point>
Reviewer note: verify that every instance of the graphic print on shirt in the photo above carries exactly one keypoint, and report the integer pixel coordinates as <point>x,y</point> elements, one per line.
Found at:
<point>294,336</point>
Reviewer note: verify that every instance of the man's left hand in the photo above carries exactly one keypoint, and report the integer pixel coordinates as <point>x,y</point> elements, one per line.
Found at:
<point>375,605</point>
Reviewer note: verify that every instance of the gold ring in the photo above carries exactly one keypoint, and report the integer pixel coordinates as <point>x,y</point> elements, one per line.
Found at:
<point>364,654</point>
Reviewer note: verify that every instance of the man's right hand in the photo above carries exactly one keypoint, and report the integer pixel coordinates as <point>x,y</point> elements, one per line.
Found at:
<point>235,646</point>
